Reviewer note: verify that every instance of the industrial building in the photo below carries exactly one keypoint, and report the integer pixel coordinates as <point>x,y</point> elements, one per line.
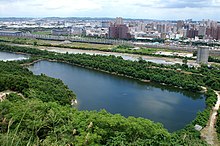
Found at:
<point>10,33</point>
<point>202,55</point>
<point>61,31</point>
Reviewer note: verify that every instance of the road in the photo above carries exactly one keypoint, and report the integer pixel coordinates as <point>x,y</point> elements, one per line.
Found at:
<point>209,133</point>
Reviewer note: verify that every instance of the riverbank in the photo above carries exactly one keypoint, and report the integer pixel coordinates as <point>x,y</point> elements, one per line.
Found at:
<point>126,56</point>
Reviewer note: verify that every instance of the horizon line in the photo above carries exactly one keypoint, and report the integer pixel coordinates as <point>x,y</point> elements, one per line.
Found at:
<point>125,18</point>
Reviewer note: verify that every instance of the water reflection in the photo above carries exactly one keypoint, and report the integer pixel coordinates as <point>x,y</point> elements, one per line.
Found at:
<point>96,90</point>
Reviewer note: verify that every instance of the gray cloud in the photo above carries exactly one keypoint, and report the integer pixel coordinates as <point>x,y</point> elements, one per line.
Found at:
<point>36,5</point>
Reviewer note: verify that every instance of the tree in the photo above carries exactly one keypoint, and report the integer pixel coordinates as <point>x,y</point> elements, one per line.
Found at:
<point>185,61</point>
<point>35,43</point>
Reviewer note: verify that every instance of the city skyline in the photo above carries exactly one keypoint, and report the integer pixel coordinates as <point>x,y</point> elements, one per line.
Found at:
<point>152,9</point>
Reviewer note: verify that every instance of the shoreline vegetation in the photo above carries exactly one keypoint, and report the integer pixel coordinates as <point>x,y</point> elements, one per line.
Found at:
<point>209,133</point>
<point>107,131</point>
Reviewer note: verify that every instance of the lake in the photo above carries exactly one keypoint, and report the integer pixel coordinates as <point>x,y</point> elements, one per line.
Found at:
<point>95,90</point>
<point>5,56</point>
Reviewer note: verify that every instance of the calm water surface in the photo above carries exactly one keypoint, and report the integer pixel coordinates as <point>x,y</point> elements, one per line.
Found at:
<point>96,90</point>
<point>5,56</point>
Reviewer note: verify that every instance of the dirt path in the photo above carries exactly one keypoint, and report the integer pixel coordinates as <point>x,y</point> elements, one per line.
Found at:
<point>5,93</point>
<point>209,132</point>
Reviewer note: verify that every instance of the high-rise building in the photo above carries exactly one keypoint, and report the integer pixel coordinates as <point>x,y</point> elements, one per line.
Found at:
<point>140,27</point>
<point>113,32</point>
<point>212,32</point>
<point>208,32</point>
<point>183,33</point>
<point>119,21</point>
<point>218,33</point>
<point>180,24</point>
<point>202,31</point>
<point>202,55</point>
<point>208,23</point>
<point>122,31</point>
<point>214,24</point>
<point>118,30</point>
<point>161,28</point>
<point>192,33</point>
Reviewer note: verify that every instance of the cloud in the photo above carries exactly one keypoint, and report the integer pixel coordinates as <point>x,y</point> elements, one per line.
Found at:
<point>149,9</point>
<point>180,4</point>
<point>35,5</point>
<point>46,7</point>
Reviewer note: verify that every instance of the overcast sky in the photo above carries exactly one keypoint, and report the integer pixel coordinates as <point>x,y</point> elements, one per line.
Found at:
<point>145,9</point>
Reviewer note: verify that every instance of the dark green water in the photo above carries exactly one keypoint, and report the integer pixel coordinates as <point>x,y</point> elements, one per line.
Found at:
<point>4,56</point>
<point>174,108</point>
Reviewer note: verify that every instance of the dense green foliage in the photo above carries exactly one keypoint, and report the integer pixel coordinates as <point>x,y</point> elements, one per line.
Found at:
<point>14,77</point>
<point>32,121</point>
<point>213,59</point>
